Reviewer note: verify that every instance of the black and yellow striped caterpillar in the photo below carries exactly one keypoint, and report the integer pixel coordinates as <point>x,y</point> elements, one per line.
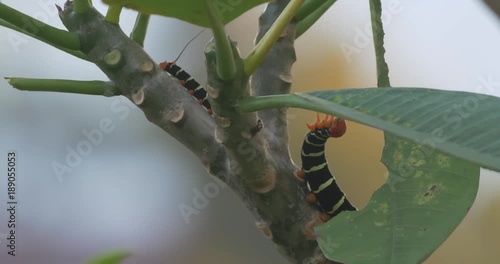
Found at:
<point>193,87</point>
<point>323,189</point>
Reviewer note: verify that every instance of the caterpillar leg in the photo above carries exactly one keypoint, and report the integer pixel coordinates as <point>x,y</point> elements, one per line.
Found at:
<point>324,217</point>
<point>300,174</point>
<point>311,198</point>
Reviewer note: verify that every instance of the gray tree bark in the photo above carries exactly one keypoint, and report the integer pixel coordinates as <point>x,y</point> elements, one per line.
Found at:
<point>247,151</point>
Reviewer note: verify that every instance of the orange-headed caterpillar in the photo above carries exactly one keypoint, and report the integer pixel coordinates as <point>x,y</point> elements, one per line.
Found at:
<point>321,184</point>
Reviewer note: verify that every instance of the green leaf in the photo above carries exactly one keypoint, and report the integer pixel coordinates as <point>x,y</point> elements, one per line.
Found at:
<point>425,198</point>
<point>192,11</point>
<point>462,124</point>
<point>115,257</point>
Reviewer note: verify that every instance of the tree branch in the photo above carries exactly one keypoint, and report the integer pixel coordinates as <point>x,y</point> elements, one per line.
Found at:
<point>34,27</point>
<point>274,77</point>
<point>161,97</point>
<point>292,228</point>
<point>238,132</point>
<point>266,184</point>
<point>494,5</point>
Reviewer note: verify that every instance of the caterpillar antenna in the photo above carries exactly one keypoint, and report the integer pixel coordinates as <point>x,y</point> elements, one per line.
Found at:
<point>188,44</point>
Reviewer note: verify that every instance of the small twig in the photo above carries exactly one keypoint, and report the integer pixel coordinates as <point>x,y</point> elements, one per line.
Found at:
<point>64,86</point>
<point>259,52</point>
<point>378,40</point>
<point>42,31</point>
<point>140,28</point>
<point>82,6</point>
<point>226,68</point>
<point>75,53</point>
<point>113,14</point>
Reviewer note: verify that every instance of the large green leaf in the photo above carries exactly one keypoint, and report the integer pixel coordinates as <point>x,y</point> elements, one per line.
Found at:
<point>192,11</point>
<point>462,124</point>
<point>425,198</point>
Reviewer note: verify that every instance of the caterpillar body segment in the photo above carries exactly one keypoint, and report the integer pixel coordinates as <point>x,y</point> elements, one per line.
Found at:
<point>322,186</point>
<point>192,86</point>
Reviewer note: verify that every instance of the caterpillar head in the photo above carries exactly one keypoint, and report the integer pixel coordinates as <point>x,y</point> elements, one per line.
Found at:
<point>335,127</point>
<point>164,65</point>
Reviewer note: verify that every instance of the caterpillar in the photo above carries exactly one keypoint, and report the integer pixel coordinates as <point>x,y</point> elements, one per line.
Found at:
<point>322,186</point>
<point>193,87</point>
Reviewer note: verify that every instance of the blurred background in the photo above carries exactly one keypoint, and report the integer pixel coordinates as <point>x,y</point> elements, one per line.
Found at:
<point>126,193</point>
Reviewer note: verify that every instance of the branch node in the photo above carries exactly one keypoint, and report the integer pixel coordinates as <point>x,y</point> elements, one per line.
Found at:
<point>257,128</point>
<point>266,183</point>
<point>212,91</point>
<point>217,134</point>
<point>287,78</point>
<point>113,58</point>
<point>264,228</point>
<point>223,122</point>
<point>138,98</point>
<point>147,66</point>
<point>175,115</point>
<point>300,174</point>
<point>254,130</point>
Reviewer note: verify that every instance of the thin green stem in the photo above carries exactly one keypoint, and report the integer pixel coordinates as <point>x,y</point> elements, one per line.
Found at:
<point>113,14</point>
<point>75,53</point>
<point>82,6</point>
<point>64,86</point>
<point>308,8</point>
<point>33,27</point>
<point>307,22</point>
<point>140,28</point>
<point>378,40</point>
<point>226,67</point>
<point>252,104</point>
<point>259,52</point>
